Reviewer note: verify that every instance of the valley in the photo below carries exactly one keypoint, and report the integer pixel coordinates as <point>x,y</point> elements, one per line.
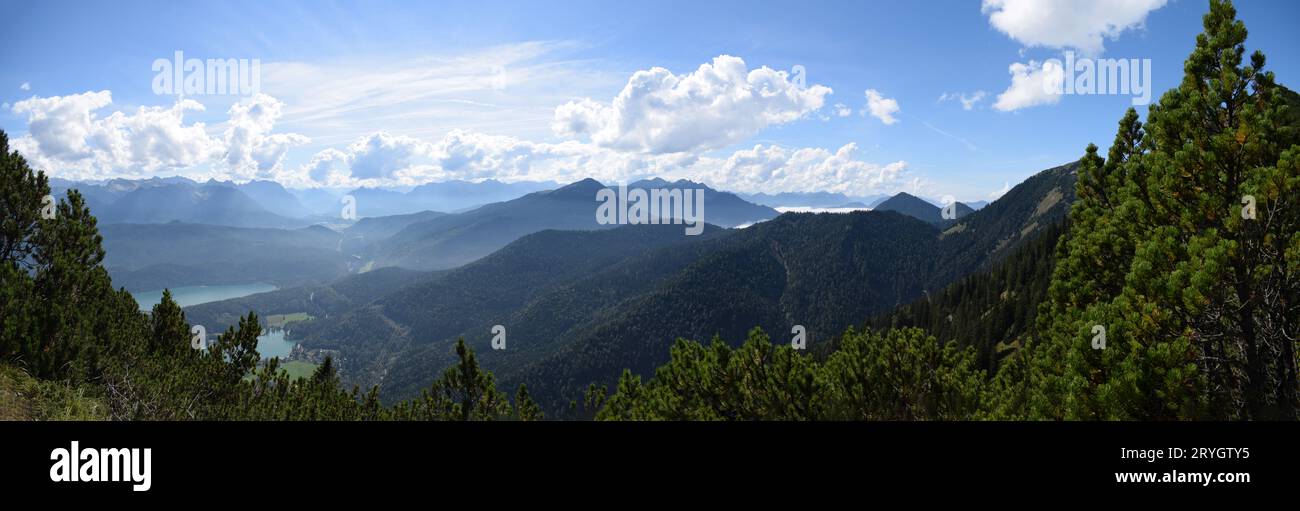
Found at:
<point>582,305</point>
<point>389,296</point>
<point>630,291</point>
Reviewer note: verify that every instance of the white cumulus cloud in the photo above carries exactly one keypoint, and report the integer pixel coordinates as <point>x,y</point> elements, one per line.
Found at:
<point>66,135</point>
<point>62,125</point>
<point>382,155</point>
<point>387,160</point>
<point>881,107</point>
<point>329,167</point>
<point>1032,84</point>
<point>252,151</point>
<point>778,169</point>
<point>1080,24</point>
<point>718,104</point>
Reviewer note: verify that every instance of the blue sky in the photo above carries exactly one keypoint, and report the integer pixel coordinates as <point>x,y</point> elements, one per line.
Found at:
<point>397,93</point>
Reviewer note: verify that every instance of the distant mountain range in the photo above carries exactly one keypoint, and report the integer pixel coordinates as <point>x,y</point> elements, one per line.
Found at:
<point>215,204</point>
<point>449,196</point>
<point>583,303</point>
<point>268,204</point>
<point>168,232</point>
<point>922,209</point>
<point>370,230</point>
<point>275,198</point>
<point>161,200</point>
<point>425,240</point>
<point>143,257</point>
<point>454,240</point>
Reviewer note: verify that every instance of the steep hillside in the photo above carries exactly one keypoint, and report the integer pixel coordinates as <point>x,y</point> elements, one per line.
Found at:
<point>371,230</point>
<point>471,299</point>
<point>921,209</point>
<point>454,240</point>
<point>579,306</point>
<point>990,310</point>
<point>820,271</point>
<point>986,236</point>
<point>720,208</point>
<point>319,301</point>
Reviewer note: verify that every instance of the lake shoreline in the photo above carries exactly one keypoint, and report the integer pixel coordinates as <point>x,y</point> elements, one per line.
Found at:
<point>187,296</point>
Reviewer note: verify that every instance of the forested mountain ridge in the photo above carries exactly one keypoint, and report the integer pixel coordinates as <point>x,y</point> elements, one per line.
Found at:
<point>822,271</point>
<point>921,209</point>
<point>455,240</point>
<point>468,301</point>
<point>318,301</point>
<point>992,311</point>
<point>1169,298</point>
<point>720,208</point>
<point>151,255</point>
<point>73,347</point>
<point>988,235</point>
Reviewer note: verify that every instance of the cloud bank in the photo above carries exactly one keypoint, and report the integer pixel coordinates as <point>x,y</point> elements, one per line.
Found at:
<point>659,124</point>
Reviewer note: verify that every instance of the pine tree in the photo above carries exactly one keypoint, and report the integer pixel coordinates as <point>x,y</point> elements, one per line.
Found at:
<point>901,375</point>
<point>525,408</point>
<point>21,199</point>
<point>628,401</point>
<point>464,392</point>
<point>1184,249</point>
<point>168,325</point>
<point>56,291</point>
<point>593,399</point>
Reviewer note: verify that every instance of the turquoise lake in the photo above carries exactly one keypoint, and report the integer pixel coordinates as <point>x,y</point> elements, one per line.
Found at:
<point>194,295</point>
<point>271,344</point>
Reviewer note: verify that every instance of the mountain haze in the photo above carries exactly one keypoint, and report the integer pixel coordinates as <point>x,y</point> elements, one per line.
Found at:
<point>455,240</point>
<point>579,306</point>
